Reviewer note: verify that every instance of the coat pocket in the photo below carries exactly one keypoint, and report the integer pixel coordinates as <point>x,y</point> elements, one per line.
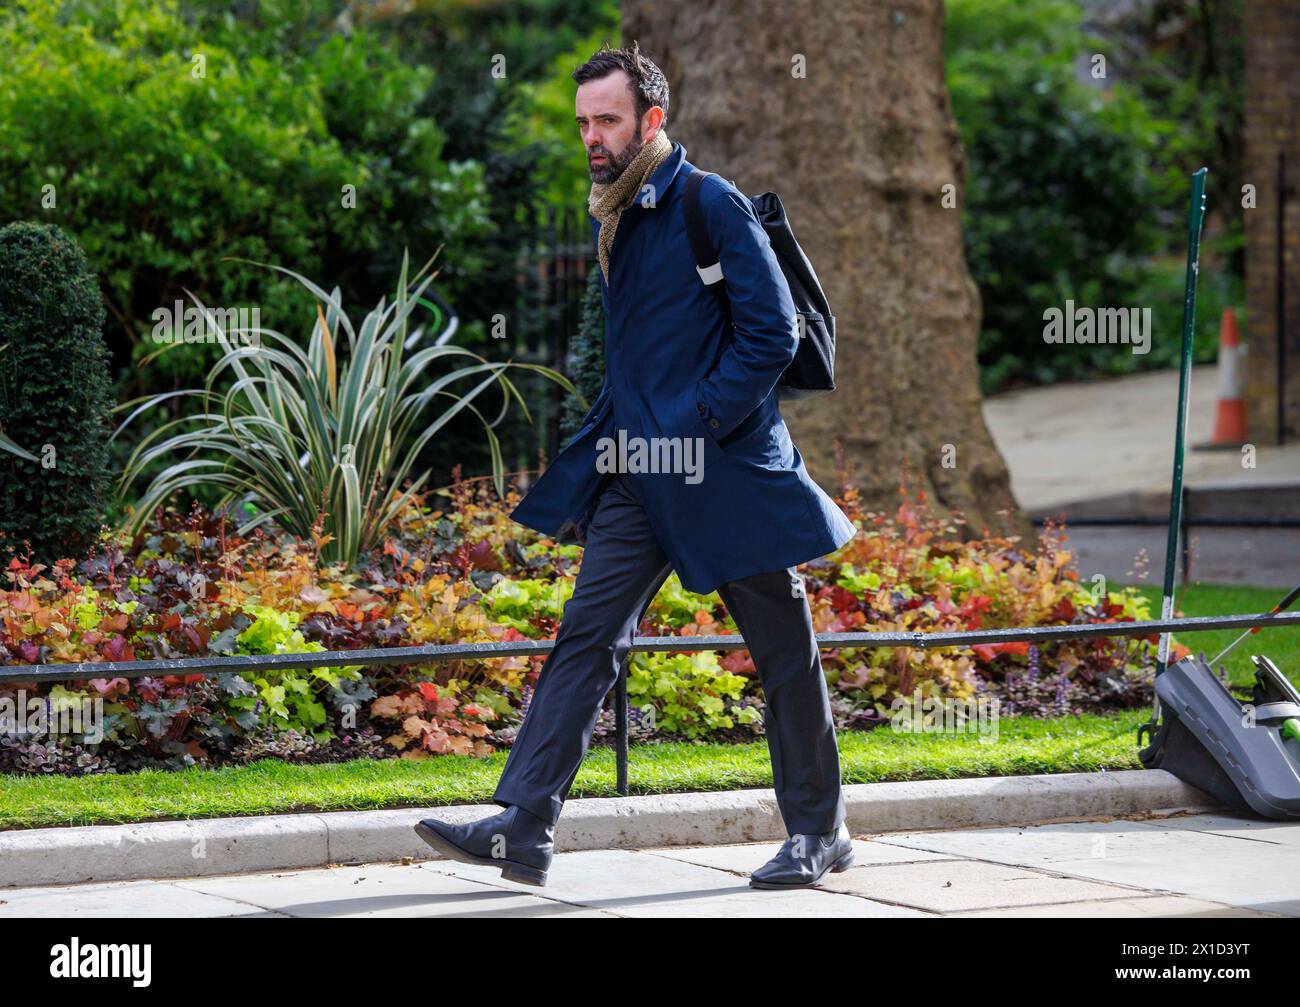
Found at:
<point>745,432</point>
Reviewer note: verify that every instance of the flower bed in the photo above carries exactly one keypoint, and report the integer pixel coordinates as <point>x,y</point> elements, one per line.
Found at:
<point>456,569</point>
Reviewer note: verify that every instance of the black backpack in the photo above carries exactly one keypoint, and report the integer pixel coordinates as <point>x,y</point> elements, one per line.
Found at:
<point>812,371</point>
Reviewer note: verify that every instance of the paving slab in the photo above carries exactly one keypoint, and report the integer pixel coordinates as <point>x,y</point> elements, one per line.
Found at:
<point>380,890</point>
<point>639,884</point>
<point>744,858</point>
<point>134,899</point>
<point>1040,845</point>
<point>948,886</point>
<point>1257,829</point>
<point>1145,907</point>
<point>1176,856</point>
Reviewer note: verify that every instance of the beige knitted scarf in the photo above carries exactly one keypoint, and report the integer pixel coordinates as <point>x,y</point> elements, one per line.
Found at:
<point>607,201</point>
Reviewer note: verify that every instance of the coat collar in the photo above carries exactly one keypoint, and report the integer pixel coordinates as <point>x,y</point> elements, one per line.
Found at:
<point>662,177</point>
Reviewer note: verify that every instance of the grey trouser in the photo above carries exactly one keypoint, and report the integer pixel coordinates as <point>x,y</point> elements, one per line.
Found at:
<point>623,567</point>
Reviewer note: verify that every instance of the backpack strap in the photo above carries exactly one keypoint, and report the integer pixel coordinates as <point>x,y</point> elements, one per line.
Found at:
<point>706,257</point>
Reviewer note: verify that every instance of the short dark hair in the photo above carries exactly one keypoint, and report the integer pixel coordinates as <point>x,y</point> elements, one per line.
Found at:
<point>649,85</point>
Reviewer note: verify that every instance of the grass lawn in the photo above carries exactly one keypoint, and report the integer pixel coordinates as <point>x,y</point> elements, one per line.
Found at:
<point>1022,746</point>
<point>1281,644</point>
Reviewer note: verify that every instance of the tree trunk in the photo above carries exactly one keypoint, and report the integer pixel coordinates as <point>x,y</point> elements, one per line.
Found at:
<point>859,148</point>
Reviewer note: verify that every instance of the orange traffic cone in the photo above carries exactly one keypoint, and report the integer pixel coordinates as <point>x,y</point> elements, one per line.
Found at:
<point>1230,416</point>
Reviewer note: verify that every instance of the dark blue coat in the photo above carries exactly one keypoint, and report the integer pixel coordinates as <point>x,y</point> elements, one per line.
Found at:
<point>672,370</point>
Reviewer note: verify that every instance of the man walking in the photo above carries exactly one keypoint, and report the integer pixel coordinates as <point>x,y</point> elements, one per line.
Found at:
<point>684,463</point>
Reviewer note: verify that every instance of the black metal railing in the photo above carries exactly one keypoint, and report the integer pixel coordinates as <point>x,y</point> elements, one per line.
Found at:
<point>434,653</point>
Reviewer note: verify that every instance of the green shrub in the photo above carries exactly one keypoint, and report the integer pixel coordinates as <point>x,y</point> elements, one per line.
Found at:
<point>587,351</point>
<point>161,166</point>
<point>292,699</point>
<point>687,693</point>
<point>1061,201</point>
<point>517,602</point>
<point>55,393</point>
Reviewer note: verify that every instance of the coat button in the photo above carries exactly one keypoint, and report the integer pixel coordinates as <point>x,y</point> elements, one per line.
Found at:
<point>699,406</point>
<point>714,423</point>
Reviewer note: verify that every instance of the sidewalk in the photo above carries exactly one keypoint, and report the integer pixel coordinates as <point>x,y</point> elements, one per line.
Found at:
<point>1106,448</point>
<point>1190,865</point>
<point>1080,441</point>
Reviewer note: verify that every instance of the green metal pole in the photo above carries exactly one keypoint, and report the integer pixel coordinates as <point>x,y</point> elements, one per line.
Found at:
<point>1195,219</point>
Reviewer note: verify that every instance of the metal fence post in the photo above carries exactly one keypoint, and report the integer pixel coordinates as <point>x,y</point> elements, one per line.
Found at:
<point>620,729</point>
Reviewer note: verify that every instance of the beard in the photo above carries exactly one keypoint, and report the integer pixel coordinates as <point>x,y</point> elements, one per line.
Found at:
<point>615,164</point>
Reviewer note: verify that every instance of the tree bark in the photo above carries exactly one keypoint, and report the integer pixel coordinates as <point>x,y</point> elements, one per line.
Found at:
<point>859,150</point>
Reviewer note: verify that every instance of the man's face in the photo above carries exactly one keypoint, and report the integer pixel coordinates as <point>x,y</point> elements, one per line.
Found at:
<point>609,127</point>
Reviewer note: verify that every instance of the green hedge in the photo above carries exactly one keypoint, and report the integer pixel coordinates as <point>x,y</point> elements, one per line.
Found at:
<point>167,138</point>
<point>586,354</point>
<point>55,393</point>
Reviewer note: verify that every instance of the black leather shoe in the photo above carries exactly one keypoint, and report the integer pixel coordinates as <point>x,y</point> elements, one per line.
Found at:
<point>518,842</point>
<point>804,860</point>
